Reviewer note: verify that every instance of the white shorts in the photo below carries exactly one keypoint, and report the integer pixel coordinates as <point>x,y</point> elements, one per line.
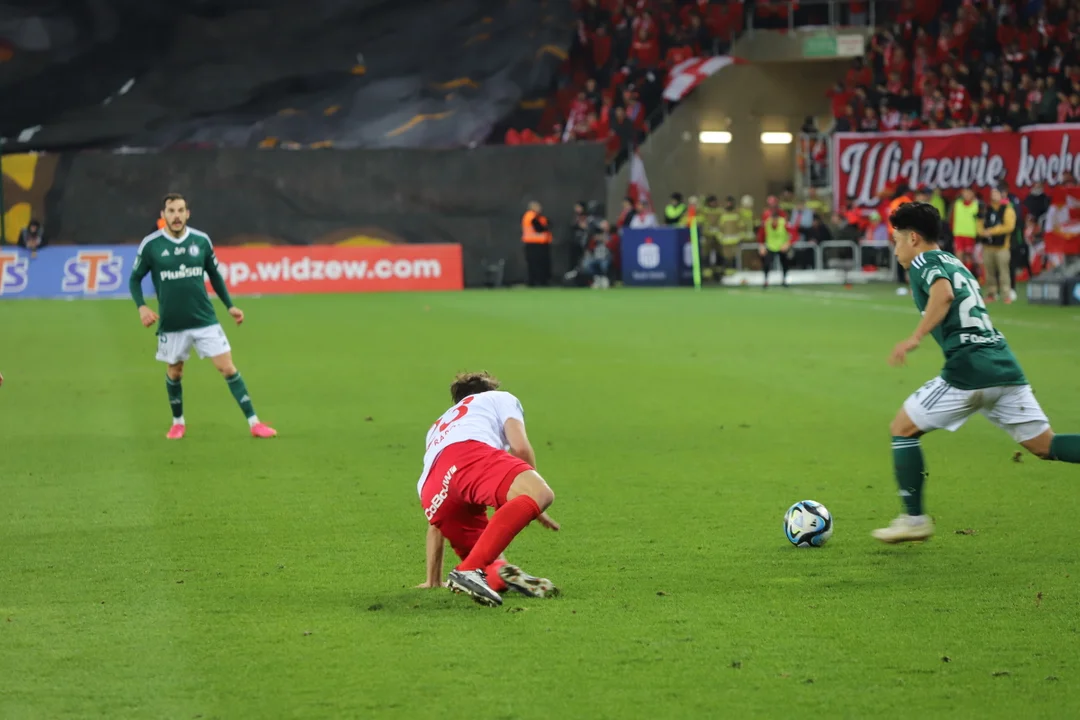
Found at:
<point>1013,408</point>
<point>209,341</point>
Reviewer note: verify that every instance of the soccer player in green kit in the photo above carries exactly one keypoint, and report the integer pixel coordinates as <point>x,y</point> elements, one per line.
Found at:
<point>176,257</point>
<point>980,375</point>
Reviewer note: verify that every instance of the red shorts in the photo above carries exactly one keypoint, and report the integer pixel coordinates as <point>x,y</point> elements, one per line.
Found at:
<point>467,479</point>
<point>964,245</point>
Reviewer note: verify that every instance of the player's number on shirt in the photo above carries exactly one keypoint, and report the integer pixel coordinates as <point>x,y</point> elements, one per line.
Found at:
<point>972,301</point>
<point>459,412</point>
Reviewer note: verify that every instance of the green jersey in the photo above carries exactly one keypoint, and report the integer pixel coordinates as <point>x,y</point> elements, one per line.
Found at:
<point>178,268</point>
<point>976,354</point>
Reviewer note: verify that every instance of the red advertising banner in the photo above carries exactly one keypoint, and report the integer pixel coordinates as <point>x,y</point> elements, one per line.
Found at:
<point>332,268</point>
<point>866,164</point>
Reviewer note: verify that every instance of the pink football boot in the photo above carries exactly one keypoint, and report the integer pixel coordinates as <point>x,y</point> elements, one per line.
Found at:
<point>262,430</point>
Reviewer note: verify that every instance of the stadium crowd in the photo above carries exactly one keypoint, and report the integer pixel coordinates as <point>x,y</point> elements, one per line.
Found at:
<point>619,61</point>
<point>935,64</point>
<point>975,63</point>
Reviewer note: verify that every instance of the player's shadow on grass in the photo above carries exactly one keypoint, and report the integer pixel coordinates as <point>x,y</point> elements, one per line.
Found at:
<point>411,601</point>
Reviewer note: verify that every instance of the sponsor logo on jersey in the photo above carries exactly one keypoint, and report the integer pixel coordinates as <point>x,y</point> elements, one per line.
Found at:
<point>165,253</point>
<point>181,250</point>
<point>92,271</point>
<point>648,255</point>
<point>440,497</point>
<point>14,273</point>
<point>981,339</point>
<point>182,273</point>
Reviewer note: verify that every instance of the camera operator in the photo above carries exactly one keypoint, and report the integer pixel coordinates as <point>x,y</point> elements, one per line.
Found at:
<point>579,236</point>
<point>591,239</point>
<point>597,261</point>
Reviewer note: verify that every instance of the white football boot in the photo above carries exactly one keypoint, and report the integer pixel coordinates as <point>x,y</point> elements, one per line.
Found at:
<point>906,528</point>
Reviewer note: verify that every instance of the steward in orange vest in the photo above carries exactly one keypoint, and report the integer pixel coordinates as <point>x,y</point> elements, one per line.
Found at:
<point>536,236</point>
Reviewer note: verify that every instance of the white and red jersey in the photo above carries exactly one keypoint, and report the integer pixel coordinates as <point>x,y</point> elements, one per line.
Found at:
<point>481,417</point>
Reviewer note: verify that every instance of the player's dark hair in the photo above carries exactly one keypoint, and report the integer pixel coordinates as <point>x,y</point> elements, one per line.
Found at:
<point>170,197</point>
<point>471,383</point>
<point>918,217</point>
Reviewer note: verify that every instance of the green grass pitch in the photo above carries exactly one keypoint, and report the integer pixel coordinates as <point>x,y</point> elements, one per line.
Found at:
<point>224,577</point>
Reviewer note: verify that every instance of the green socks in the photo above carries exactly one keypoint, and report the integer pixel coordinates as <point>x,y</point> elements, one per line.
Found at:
<point>1065,448</point>
<point>176,398</point>
<point>910,472</point>
<point>239,391</point>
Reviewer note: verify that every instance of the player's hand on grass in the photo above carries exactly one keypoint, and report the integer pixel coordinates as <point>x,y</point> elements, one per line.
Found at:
<point>547,522</point>
<point>899,353</point>
<point>1,378</point>
<point>428,585</point>
<point>237,314</point>
<point>147,316</point>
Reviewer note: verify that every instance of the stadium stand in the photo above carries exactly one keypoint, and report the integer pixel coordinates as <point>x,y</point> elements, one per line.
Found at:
<point>330,73</point>
<point>991,64</point>
<point>932,64</point>
<point>612,82</point>
<point>623,51</point>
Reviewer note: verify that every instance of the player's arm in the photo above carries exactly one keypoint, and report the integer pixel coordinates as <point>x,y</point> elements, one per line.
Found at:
<point>435,547</point>
<point>138,271</point>
<point>520,447</point>
<point>937,308</point>
<point>217,282</point>
<point>210,264</point>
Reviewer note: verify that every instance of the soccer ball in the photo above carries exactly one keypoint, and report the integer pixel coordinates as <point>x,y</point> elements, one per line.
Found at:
<point>807,524</point>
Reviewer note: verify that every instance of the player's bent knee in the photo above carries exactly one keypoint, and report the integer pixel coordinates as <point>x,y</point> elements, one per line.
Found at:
<point>902,426</point>
<point>1040,446</point>
<point>544,497</point>
<point>530,483</point>
<point>175,372</point>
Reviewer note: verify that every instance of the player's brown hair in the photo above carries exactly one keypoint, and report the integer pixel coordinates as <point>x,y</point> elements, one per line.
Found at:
<point>470,383</point>
<point>169,197</point>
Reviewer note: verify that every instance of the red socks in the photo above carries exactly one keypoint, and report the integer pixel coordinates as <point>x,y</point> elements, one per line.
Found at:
<point>492,572</point>
<point>504,526</point>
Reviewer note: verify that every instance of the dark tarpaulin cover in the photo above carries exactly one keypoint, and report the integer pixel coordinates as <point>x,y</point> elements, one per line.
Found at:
<point>237,73</point>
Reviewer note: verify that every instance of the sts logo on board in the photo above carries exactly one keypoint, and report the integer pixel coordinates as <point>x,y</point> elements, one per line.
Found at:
<point>14,273</point>
<point>93,271</point>
<point>648,254</point>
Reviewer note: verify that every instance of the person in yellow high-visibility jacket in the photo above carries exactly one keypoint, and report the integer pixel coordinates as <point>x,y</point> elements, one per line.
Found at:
<point>775,239</point>
<point>709,239</point>
<point>965,226</point>
<point>735,226</point>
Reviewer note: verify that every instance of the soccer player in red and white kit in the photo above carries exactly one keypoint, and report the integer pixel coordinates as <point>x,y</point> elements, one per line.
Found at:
<point>467,469</point>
